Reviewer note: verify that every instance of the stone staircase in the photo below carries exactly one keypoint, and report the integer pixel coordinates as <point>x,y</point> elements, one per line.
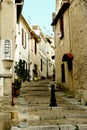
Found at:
<point>33,111</point>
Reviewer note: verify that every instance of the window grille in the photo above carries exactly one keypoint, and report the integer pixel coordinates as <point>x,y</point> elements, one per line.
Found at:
<point>7,49</point>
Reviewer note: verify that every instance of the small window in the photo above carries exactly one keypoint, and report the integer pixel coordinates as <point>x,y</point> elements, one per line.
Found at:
<point>63,72</point>
<point>24,40</point>
<point>7,49</point>
<point>61,27</point>
<point>41,65</point>
<point>35,47</point>
<point>22,37</point>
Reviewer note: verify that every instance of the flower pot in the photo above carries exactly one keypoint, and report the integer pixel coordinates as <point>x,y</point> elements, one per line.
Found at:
<point>16,92</point>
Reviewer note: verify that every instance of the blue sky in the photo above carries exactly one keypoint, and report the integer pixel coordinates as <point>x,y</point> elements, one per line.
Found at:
<point>39,12</point>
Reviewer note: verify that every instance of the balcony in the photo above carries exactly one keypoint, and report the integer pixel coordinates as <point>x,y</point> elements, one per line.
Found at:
<point>7,63</point>
<point>61,8</point>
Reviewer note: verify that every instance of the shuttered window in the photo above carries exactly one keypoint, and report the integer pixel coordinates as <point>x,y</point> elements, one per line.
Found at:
<point>61,27</point>
<point>24,40</point>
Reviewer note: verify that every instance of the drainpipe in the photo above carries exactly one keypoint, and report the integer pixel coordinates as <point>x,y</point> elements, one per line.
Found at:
<point>70,39</point>
<point>70,31</point>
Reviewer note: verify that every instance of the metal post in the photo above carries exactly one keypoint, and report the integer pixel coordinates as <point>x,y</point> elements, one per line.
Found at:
<point>53,99</point>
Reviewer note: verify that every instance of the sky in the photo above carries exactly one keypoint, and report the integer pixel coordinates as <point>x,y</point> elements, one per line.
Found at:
<point>39,12</point>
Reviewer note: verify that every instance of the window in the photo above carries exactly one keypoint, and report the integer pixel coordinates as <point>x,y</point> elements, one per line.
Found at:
<point>35,47</point>
<point>7,49</point>
<point>24,39</point>
<point>61,27</point>
<point>41,65</point>
<point>63,72</point>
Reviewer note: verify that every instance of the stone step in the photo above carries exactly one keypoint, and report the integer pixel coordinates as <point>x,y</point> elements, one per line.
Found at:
<point>57,117</point>
<point>34,111</point>
<point>35,85</point>
<point>35,89</point>
<point>54,127</point>
<point>59,112</point>
<point>35,119</point>
<point>36,93</point>
<point>60,121</point>
<point>39,101</point>
<point>58,108</point>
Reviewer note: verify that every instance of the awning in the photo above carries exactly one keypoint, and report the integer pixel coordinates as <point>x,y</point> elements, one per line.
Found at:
<point>63,8</point>
<point>67,57</point>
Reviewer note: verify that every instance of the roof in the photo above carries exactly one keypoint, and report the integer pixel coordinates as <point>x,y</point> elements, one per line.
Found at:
<point>60,12</point>
<point>29,28</point>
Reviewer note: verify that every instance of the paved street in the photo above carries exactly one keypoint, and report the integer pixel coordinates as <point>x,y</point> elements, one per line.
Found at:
<point>32,110</point>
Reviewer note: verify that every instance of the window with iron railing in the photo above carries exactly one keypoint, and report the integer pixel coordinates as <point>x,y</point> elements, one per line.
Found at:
<point>7,49</point>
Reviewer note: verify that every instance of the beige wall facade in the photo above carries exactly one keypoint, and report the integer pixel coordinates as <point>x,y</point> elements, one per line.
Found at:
<point>34,58</point>
<point>27,48</point>
<point>74,42</point>
<point>42,52</point>
<point>78,16</point>
<point>46,51</point>
<point>8,19</point>
<point>7,36</point>
<point>50,54</point>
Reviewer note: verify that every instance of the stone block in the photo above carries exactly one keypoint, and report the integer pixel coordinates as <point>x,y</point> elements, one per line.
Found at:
<point>5,125</point>
<point>82,126</point>
<point>67,127</point>
<point>2,125</point>
<point>14,114</point>
<point>15,128</point>
<point>49,127</point>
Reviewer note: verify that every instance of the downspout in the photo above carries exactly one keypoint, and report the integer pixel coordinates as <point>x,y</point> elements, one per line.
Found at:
<point>70,39</point>
<point>70,30</point>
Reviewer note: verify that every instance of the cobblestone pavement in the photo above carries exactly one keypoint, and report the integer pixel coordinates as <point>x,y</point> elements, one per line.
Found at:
<point>32,110</point>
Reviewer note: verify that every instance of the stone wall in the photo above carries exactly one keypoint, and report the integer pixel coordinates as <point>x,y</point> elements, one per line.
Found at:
<point>78,17</point>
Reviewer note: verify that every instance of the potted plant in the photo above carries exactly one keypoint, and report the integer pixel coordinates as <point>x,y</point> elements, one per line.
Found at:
<point>17,86</point>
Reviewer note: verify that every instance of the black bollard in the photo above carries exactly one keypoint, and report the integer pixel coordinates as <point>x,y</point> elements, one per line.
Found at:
<point>53,99</point>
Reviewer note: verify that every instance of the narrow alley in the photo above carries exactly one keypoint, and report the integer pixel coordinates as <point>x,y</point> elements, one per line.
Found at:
<point>32,110</point>
<point>30,59</point>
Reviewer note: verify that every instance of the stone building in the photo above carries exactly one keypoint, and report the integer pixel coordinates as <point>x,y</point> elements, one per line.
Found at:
<point>50,56</point>
<point>27,48</point>
<point>70,27</point>
<point>42,52</point>
<point>10,11</point>
<point>46,51</point>
<point>34,41</point>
